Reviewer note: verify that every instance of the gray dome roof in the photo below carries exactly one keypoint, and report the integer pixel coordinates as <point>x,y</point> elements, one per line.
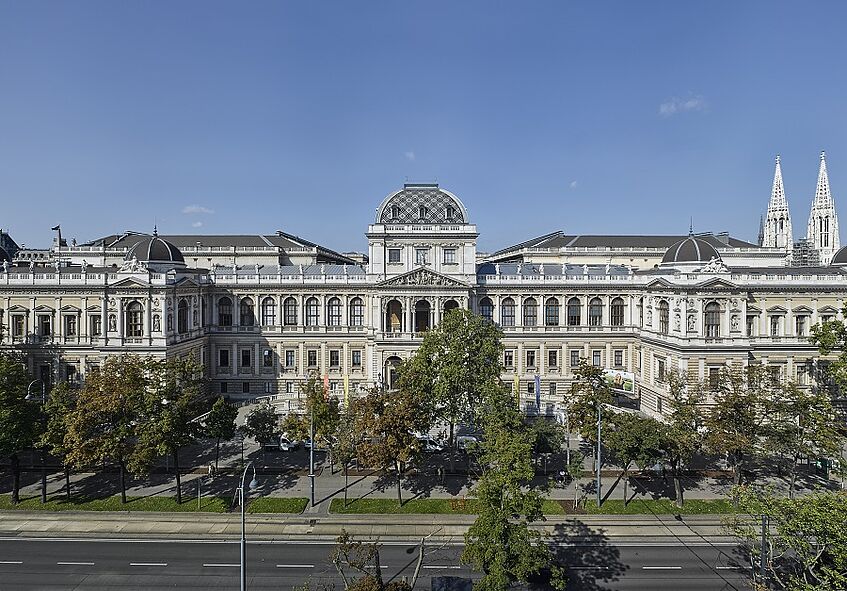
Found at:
<point>421,204</point>
<point>840,258</point>
<point>690,250</point>
<point>155,250</point>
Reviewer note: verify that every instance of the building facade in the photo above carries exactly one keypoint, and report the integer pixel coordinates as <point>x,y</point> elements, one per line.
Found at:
<point>263,313</point>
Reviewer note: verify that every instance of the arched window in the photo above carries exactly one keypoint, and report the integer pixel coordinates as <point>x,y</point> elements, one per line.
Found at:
<point>289,311</point>
<point>224,312</point>
<point>182,317</point>
<point>333,312</point>
<point>574,312</point>
<point>357,312</point>
<point>664,317</point>
<point>394,316</point>
<point>268,311</point>
<point>247,316</point>
<point>551,312</point>
<point>616,309</point>
<point>595,312</point>
<point>712,319</point>
<point>134,320</point>
<point>530,312</point>
<point>312,311</point>
<point>486,309</point>
<point>507,312</point>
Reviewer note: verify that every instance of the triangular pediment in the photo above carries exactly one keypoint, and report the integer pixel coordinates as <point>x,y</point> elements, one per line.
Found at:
<point>44,309</point>
<point>17,308</point>
<point>777,310</point>
<point>70,308</point>
<point>130,282</point>
<point>717,283</point>
<point>659,284</point>
<point>422,277</point>
<point>802,310</point>
<point>824,310</point>
<point>186,281</point>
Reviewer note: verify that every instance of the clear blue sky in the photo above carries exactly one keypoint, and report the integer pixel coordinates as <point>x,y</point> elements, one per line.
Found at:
<point>591,117</point>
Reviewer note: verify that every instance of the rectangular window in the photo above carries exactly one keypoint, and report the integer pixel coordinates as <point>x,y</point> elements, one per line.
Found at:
<point>596,358</point>
<point>553,358</point>
<point>70,326</point>
<point>530,358</point>
<point>70,373</point>
<point>618,358</point>
<point>245,387</point>
<point>268,358</point>
<point>421,256</point>
<point>223,358</point>
<point>802,375</point>
<point>223,387</point>
<point>530,387</point>
<point>774,326</point>
<point>800,324</point>
<point>44,325</point>
<point>574,357</point>
<point>751,320</point>
<point>552,389</point>
<point>269,387</point>
<point>18,326</point>
<point>508,358</point>
<point>659,404</point>
<point>246,358</point>
<point>96,326</point>
<point>449,256</point>
<point>289,387</point>
<point>393,255</point>
<point>356,358</point>
<point>290,358</point>
<point>335,358</point>
<point>660,370</point>
<point>312,358</point>
<point>714,377</point>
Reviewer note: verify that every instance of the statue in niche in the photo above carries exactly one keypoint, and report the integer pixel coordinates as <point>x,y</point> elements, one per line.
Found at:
<point>691,324</point>
<point>677,322</point>
<point>5,266</point>
<point>733,323</point>
<point>170,322</point>
<point>157,323</point>
<point>649,317</point>
<point>113,323</point>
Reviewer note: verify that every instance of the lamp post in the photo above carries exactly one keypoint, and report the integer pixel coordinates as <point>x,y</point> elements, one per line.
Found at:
<point>599,485</point>
<point>242,496</point>
<point>31,398</point>
<point>312,455</point>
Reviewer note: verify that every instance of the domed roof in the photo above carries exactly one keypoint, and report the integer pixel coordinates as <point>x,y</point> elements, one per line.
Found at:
<point>154,249</point>
<point>840,258</point>
<point>421,204</point>
<point>690,250</point>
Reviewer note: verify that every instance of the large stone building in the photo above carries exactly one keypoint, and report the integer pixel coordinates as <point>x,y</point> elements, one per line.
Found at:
<point>264,312</point>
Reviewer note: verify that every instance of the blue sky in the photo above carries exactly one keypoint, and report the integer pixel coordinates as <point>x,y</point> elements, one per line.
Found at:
<point>592,117</point>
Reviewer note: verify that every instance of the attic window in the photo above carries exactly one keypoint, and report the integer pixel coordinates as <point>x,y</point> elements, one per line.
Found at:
<point>422,212</point>
<point>449,212</point>
<point>395,212</point>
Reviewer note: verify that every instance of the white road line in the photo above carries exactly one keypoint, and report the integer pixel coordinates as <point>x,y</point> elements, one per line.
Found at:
<point>11,561</point>
<point>148,564</point>
<point>661,567</point>
<point>75,563</point>
<point>207,564</point>
<point>590,568</point>
<point>442,566</point>
<point>295,566</point>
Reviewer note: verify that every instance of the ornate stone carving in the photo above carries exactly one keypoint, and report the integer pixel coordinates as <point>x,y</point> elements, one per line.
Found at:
<point>423,277</point>
<point>157,323</point>
<point>714,265</point>
<point>133,266</point>
<point>733,323</point>
<point>692,323</point>
<point>677,321</point>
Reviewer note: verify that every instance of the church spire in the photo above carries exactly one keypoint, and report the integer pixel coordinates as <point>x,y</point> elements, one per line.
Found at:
<point>777,229</point>
<point>823,219</point>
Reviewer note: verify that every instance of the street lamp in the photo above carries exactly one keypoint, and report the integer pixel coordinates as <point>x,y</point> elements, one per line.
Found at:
<point>242,497</point>
<point>312,454</point>
<point>30,397</point>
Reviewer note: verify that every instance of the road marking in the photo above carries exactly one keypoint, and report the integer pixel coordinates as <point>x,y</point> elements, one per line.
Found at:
<point>441,566</point>
<point>213,564</point>
<point>661,567</point>
<point>11,561</point>
<point>148,564</point>
<point>590,567</point>
<point>75,563</point>
<point>295,566</point>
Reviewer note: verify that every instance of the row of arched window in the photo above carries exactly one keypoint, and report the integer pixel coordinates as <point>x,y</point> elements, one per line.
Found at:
<point>552,312</point>
<point>290,313</point>
<point>711,318</point>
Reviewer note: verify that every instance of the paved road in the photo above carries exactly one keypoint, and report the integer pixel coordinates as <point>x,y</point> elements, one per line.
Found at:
<point>129,565</point>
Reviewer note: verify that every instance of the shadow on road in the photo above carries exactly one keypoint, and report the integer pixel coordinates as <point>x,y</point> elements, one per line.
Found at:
<point>590,560</point>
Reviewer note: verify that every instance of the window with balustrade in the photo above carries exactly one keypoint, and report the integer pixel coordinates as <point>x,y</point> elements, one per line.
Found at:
<point>248,317</point>
<point>574,312</point>
<point>664,317</point>
<point>134,320</point>
<point>616,312</point>
<point>224,312</point>
<point>551,312</point>
<point>312,312</point>
<point>333,312</point>
<point>289,311</point>
<point>595,312</point>
<point>357,312</point>
<point>268,311</point>
<point>486,309</point>
<point>712,320</point>
<point>507,312</point>
<point>530,312</point>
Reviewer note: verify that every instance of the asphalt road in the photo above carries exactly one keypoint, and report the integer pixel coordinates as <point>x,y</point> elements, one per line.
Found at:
<point>30,564</point>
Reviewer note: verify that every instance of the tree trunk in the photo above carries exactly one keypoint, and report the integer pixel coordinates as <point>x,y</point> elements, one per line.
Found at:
<point>123,481</point>
<point>346,480</point>
<point>399,482</point>
<point>625,482</point>
<point>16,479</point>
<point>178,481</point>
<point>217,452</point>
<point>452,446</point>
<point>793,476</point>
<point>677,484</point>
<point>738,469</point>
<point>68,482</point>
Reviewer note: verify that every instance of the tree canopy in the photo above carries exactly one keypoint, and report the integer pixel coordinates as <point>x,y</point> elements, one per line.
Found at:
<point>20,423</point>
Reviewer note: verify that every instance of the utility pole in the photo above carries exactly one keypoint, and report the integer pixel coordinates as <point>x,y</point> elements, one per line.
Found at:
<point>312,455</point>
<point>599,423</point>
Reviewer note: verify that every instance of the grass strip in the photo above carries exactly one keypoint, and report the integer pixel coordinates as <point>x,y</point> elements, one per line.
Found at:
<point>210,504</point>
<point>278,505</point>
<point>660,507</point>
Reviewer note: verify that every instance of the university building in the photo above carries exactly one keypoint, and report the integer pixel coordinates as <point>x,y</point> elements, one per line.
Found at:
<point>264,312</point>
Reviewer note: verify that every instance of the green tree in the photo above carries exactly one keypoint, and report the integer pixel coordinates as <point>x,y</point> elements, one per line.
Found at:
<point>177,397</point>
<point>326,415</point>
<point>456,363</point>
<point>58,408</point>
<point>633,439</point>
<point>500,543</point>
<point>831,337</point>
<point>589,390</point>
<point>737,422</point>
<point>574,470</point>
<point>109,417</point>
<point>387,421</point>
<point>346,439</point>
<point>262,423</point>
<point>802,424</point>
<point>20,422</point>
<point>805,543</point>
<point>220,424</point>
<point>679,437</point>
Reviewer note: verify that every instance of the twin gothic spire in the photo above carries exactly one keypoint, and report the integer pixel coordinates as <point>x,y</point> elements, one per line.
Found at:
<point>822,230</point>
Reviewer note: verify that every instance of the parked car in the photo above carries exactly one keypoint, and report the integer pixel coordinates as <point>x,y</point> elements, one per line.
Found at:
<point>463,442</point>
<point>428,445</point>
<point>282,443</point>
